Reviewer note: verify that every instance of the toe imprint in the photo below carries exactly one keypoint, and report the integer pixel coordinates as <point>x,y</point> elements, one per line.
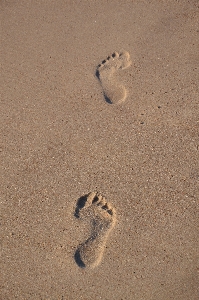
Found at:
<point>102,216</point>
<point>113,92</point>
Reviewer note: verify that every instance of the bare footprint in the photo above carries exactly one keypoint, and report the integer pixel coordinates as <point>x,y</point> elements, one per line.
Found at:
<point>102,219</point>
<point>113,91</point>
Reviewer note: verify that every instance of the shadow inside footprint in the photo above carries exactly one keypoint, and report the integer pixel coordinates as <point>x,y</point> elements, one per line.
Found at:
<point>97,74</point>
<point>107,99</point>
<point>78,260</point>
<point>80,204</point>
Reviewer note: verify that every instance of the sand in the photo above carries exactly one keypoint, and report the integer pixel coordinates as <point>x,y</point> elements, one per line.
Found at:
<point>99,150</point>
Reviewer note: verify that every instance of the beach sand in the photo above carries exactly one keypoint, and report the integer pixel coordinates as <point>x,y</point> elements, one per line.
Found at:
<point>99,150</point>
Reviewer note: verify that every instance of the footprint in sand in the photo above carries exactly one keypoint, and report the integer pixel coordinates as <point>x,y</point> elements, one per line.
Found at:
<point>102,219</point>
<point>113,91</point>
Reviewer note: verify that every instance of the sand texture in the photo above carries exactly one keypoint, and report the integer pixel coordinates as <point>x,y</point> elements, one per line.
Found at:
<point>99,150</point>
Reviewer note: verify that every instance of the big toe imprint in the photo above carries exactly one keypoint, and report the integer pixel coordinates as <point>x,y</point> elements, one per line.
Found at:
<point>113,92</point>
<point>102,219</point>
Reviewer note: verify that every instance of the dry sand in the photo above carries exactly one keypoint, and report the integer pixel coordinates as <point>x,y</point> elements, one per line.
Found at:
<point>130,133</point>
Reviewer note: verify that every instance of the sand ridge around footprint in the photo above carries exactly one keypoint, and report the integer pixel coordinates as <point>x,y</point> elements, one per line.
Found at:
<point>102,218</point>
<point>114,93</point>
